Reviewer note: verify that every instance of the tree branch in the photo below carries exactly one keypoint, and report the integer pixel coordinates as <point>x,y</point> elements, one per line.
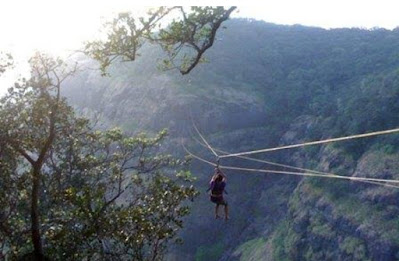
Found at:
<point>205,47</point>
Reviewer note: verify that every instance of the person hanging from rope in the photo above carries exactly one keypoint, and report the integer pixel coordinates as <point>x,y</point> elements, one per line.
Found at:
<point>217,188</point>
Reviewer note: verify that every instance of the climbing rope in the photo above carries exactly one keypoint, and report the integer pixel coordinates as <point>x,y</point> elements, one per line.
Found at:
<point>312,143</point>
<point>207,144</point>
<point>263,161</point>
<point>290,167</point>
<point>383,182</point>
<point>311,173</point>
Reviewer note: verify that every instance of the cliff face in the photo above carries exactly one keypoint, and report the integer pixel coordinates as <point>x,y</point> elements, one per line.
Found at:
<point>339,220</point>
<point>267,85</point>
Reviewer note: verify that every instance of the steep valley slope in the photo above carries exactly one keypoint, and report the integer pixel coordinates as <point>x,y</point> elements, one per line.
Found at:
<point>267,85</point>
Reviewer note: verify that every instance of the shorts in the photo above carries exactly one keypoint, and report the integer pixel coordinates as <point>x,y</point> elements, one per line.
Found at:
<point>219,201</point>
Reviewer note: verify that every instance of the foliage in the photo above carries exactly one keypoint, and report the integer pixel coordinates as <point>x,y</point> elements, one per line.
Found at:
<point>185,39</point>
<point>210,252</point>
<point>325,216</point>
<point>5,62</point>
<point>285,242</point>
<point>354,247</point>
<point>70,192</point>
<point>252,249</point>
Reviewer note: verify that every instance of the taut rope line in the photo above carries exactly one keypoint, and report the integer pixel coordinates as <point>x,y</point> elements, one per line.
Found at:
<point>292,167</point>
<point>376,133</point>
<point>368,180</point>
<point>264,161</point>
<point>207,144</point>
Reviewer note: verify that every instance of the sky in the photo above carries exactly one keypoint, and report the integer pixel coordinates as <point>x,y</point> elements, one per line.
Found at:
<point>60,26</point>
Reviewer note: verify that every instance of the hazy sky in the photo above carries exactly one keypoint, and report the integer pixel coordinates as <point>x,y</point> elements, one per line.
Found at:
<point>58,25</point>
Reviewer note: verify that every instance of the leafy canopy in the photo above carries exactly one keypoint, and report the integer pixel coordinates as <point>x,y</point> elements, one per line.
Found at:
<point>69,192</point>
<point>184,40</point>
<point>6,61</point>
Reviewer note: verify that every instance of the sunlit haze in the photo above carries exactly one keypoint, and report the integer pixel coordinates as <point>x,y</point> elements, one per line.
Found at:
<point>59,27</point>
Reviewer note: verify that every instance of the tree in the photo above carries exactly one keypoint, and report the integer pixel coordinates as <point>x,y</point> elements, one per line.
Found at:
<point>70,192</point>
<point>5,62</point>
<point>92,194</point>
<point>185,39</point>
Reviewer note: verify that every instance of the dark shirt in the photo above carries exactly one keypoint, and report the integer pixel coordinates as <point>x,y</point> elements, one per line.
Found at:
<point>217,188</point>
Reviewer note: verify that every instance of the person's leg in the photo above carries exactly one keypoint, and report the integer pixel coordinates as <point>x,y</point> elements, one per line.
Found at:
<point>217,211</point>
<point>226,212</point>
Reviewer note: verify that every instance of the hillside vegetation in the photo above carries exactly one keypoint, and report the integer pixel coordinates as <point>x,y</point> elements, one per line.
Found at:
<point>267,85</point>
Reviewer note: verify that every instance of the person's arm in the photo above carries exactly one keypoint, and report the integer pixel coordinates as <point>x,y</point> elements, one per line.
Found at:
<point>215,174</point>
<point>211,184</point>
<point>223,175</point>
<point>224,187</point>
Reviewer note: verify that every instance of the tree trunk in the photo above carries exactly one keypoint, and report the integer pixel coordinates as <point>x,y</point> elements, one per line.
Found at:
<point>35,228</point>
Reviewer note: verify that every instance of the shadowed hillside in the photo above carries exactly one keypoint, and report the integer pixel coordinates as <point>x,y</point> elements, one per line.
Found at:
<point>267,85</point>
